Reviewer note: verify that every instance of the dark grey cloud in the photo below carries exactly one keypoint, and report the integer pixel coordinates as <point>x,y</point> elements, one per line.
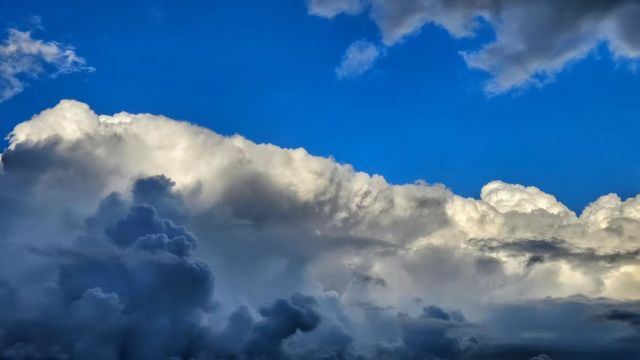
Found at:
<point>144,229</point>
<point>129,287</point>
<point>562,328</point>
<point>140,296</point>
<point>367,279</point>
<point>233,337</point>
<point>434,334</point>
<point>538,251</point>
<point>629,316</point>
<point>158,191</point>
<point>534,40</point>
<point>280,320</point>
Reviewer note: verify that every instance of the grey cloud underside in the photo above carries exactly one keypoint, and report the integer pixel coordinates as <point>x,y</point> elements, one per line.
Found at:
<point>539,251</point>
<point>568,328</point>
<point>137,236</point>
<point>534,40</point>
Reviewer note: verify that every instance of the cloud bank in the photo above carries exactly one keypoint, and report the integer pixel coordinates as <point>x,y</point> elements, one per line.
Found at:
<point>533,40</point>
<point>23,58</point>
<point>138,236</point>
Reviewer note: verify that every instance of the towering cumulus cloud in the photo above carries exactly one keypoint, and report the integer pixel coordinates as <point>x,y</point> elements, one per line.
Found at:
<point>137,236</point>
<point>534,40</point>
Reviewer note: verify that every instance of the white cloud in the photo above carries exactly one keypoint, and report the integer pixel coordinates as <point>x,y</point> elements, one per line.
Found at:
<point>23,58</point>
<point>358,59</point>
<point>534,40</point>
<point>318,198</point>
<point>506,197</point>
<point>274,221</point>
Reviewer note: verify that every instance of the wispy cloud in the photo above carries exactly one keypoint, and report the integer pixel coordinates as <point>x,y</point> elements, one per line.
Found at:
<point>23,59</point>
<point>358,59</point>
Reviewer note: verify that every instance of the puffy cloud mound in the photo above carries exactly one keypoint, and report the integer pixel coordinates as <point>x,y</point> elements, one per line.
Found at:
<point>534,40</point>
<point>112,228</point>
<point>281,320</point>
<point>107,297</point>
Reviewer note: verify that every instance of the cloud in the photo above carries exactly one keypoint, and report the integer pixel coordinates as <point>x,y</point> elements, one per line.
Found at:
<point>539,251</point>
<point>331,8</point>
<point>629,316</point>
<point>143,228</point>
<point>129,287</point>
<point>358,59</point>
<point>110,298</point>
<point>154,238</point>
<point>281,320</point>
<point>435,334</point>
<point>534,40</point>
<point>23,59</point>
<point>561,328</point>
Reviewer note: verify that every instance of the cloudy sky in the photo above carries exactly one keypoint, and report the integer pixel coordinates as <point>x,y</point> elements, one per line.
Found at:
<point>321,179</point>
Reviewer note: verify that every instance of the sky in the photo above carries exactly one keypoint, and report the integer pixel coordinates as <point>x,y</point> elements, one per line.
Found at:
<point>266,70</point>
<point>320,179</point>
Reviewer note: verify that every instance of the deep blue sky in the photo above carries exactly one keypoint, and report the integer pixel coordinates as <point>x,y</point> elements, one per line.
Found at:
<point>265,69</point>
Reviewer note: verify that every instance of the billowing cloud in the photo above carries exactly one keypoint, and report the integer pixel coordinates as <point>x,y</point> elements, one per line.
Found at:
<point>358,58</point>
<point>23,58</point>
<point>434,334</point>
<point>534,40</point>
<point>144,237</point>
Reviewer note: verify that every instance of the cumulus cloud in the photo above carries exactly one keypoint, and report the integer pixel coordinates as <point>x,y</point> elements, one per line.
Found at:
<point>112,297</point>
<point>140,236</point>
<point>434,334</point>
<point>23,58</point>
<point>358,59</point>
<point>534,40</point>
<point>129,287</point>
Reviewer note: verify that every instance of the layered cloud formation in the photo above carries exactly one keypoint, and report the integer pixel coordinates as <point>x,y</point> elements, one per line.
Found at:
<point>138,236</point>
<point>534,40</point>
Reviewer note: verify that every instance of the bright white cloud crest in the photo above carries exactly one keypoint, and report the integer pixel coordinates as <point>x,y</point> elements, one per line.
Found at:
<point>205,166</point>
<point>274,221</point>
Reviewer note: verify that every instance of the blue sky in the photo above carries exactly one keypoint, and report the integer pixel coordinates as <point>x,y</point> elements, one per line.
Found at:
<point>266,70</point>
